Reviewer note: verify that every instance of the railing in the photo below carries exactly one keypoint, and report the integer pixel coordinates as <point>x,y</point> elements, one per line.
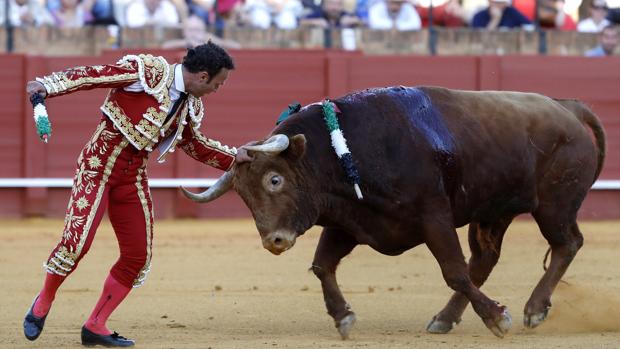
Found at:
<point>601,184</point>
<point>93,40</point>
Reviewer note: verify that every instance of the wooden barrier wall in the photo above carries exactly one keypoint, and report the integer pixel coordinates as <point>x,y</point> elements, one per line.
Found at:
<point>263,84</point>
<point>90,41</point>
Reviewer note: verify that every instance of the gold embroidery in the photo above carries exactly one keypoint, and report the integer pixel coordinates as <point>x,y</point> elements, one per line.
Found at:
<point>84,180</point>
<point>61,262</point>
<point>91,146</point>
<point>153,73</point>
<point>148,130</point>
<point>155,69</point>
<point>155,116</point>
<point>213,162</point>
<point>82,203</point>
<point>94,162</point>
<point>100,134</point>
<point>59,82</point>
<point>196,111</point>
<point>102,184</point>
<point>141,278</point>
<point>190,150</point>
<point>124,125</point>
<point>72,222</point>
<point>212,144</point>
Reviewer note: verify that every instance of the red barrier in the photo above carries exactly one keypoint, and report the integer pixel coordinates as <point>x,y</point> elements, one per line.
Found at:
<point>263,84</point>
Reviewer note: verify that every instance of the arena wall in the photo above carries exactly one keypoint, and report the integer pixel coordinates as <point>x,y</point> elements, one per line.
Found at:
<point>263,84</point>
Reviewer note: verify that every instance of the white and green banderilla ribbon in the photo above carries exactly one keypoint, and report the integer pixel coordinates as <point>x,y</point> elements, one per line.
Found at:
<point>44,127</point>
<point>339,143</point>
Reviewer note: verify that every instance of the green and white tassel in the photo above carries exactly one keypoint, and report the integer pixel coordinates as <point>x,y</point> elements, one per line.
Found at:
<point>44,127</point>
<point>339,144</point>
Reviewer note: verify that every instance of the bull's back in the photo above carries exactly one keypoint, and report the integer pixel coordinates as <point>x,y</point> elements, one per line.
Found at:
<point>506,142</point>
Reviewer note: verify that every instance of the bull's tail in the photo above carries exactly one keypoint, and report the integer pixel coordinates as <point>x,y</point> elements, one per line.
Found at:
<point>587,116</point>
<point>590,119</point>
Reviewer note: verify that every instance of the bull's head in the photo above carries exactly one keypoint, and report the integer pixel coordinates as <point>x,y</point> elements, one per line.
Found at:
<point>275,188</point>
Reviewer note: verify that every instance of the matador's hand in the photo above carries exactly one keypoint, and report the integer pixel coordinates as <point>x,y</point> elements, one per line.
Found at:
<point>242,156</point>
<point>34,87</point>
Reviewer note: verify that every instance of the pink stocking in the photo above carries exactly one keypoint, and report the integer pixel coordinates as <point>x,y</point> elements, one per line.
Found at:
<point>48,293</point>
<point>112,295</point>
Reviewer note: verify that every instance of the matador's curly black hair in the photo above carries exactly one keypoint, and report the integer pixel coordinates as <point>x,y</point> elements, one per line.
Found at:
<point>207,57</point>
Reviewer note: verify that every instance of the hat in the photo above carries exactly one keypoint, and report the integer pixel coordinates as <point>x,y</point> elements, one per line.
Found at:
<point>599,3</point>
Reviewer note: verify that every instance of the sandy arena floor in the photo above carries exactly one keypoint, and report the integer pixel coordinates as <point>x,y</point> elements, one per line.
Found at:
<point>212,285</point>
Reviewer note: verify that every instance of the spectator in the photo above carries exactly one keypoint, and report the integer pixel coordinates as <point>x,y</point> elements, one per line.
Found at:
<point>229,10</point>
<point>449,14</point>
<point>195,33</point>
<point>71,14</point>
<point>102,11</point>
<point>393,14</point>
<point>608,41</point>
<point>24,13</point>
<point>151,13</point>
<point>597,20</point>
<point>552,15</point>
<point>614,15</point>
<point>313,5</point>
<point>361,9</point>
<point>499,14</point>
<point>282,13</point>
<point>201,8</point>
<point>331,14</point>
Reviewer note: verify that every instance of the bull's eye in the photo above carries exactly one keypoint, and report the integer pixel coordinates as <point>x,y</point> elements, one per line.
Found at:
<point>273,181</point>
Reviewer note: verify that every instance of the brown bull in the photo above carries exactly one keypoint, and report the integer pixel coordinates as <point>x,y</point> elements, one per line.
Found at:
<point>430,160</point>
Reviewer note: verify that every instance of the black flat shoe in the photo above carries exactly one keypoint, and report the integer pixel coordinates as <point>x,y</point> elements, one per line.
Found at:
<point>33,326</point>
<point>114,340</point>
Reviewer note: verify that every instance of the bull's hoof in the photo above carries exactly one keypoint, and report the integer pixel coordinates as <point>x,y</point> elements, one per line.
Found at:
<point>533,320</point>
<point>345,324</point>
<point>438,326</point>
<point>500,327</point>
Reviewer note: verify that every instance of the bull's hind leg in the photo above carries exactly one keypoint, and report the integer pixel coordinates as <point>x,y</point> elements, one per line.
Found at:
<point>485,242</point>
<point>334,244</point>
<point>561,231</point>
<point>443,243</point>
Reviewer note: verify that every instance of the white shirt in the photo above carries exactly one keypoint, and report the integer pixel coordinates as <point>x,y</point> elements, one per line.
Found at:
<point>179,85</point>
<point>137,15</point>
<point>588,26</point>
<point>406,19</point>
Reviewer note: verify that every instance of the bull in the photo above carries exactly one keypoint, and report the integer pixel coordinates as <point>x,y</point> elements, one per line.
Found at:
<point>429,160</point>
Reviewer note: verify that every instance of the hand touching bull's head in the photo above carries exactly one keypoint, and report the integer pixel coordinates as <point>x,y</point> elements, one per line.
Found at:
<point>275,188</point>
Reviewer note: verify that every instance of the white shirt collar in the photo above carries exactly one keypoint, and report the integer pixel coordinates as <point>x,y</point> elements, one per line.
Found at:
<point>179,84</point>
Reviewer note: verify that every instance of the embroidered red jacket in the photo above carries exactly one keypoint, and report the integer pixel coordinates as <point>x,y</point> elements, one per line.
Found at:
<point>140,116</point>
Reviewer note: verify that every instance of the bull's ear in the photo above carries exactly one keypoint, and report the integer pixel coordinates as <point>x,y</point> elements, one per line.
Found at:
<point>297,147</point>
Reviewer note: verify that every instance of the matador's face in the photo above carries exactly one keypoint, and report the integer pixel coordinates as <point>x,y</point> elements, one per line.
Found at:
<point>204,84</point>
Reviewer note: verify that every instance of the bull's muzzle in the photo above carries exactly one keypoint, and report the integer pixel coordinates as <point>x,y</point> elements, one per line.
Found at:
<point>279,241</point>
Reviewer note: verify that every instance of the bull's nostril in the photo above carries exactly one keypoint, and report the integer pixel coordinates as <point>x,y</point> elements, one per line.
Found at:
<point>277,241</point>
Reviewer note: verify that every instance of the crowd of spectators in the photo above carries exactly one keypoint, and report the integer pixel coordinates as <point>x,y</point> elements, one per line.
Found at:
<point>399,15</point>
<point>290,14</point>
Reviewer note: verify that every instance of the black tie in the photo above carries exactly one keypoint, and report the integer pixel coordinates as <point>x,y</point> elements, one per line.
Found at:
<point>175,107</point>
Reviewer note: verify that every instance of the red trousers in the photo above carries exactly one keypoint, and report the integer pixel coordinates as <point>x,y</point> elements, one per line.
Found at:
<point>110,173</point>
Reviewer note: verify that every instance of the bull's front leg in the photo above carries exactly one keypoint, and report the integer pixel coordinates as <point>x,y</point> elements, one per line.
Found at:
<point>334,244</point>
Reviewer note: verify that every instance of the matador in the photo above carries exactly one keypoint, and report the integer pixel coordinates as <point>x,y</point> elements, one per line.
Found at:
<point>151,105</point>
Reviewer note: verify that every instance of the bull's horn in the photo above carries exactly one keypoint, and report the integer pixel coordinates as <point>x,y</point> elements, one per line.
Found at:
<point>221,186</point>
<point>275,144</point>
